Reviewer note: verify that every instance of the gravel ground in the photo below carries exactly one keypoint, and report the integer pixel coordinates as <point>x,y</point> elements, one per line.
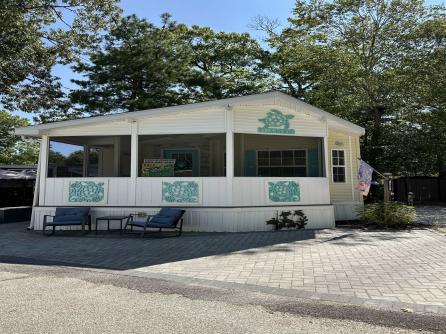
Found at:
<point>66,300</point>
<point>431,215</point>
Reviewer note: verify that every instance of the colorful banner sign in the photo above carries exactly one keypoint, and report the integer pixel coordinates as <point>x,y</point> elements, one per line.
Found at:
<point>158,167</point>
<point>364,177</point>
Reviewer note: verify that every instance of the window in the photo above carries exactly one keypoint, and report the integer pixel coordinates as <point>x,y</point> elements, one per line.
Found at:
<point>338,165</point>
<point>181,155</point>
<point>289,163</point>
<point>89,156</point>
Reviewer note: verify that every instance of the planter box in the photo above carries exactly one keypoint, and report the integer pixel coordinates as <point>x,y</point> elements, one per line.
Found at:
<point>15,214</point>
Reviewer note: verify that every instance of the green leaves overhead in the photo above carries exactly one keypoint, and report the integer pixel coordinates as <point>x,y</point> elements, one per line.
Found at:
<point>143,66</point>
<point>225,64</point>
<point>12,148</point>
<point>140,66</point>
<point>35,35</point>
<point>378,63</point>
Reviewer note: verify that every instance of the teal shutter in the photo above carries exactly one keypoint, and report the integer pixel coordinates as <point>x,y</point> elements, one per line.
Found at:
<point>250,163</point>
<point>313,162</point>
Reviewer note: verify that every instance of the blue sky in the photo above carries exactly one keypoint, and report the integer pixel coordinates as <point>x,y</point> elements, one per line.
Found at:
<point>228,15</point>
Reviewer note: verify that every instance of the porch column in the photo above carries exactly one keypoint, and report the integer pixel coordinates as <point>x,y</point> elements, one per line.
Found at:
<point>133,160</point>
<point>327,162</point>
<point>43,159</point>
<point>351,158</point>
<point>85,161</point>
<point>36,193</point>
<point>116,157</point>
<point>229,153</point>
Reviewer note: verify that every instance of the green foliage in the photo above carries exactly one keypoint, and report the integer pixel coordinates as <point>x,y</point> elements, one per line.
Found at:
<point>378,63</point>
<point>287,219</point>
<point>26,152</point>
<point>14,150</point>
<point>388,214</point>
<point>143,66</point>
<point>225,64</point>
<point>35,35</point>
<point>7,125</point>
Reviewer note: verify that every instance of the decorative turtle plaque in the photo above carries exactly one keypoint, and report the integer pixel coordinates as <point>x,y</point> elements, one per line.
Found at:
<point>276,122</point>
<point>86,192</point>
<point>283,191</point>
<point>181,192</point>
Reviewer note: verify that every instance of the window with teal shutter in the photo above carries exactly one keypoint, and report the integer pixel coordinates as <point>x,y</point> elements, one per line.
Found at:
<point>250,163</point>
<point>313,162</point>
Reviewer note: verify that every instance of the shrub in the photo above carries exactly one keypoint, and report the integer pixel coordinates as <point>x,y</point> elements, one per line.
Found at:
<point>296,219</point>
<point>389,214</point>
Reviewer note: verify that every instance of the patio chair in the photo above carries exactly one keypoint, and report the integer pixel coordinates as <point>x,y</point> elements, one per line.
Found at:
<point>68,217</point>
<point>166,218</point>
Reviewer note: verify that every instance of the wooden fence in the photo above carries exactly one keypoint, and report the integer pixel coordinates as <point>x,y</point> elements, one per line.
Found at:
<point>426,189</point>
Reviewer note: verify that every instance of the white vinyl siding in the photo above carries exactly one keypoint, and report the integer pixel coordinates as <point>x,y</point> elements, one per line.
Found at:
<point>200,121</point>
<point>344,192</point>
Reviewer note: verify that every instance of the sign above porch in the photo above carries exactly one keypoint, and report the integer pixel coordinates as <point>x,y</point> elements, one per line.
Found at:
<point>276,122</point>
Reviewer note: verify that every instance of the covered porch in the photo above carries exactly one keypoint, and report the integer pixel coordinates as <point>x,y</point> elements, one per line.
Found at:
<point>222,170</point>
<point>231,164</point>
<point>227,181</point>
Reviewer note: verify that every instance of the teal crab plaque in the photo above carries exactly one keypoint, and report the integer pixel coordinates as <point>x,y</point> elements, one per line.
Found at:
<point>181,192</point>
<point>86,192</point>
<point>283,191</point>
<point>276,122</point>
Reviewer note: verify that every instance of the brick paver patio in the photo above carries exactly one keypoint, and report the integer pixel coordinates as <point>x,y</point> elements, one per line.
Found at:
<point>393,266</point>
<point>400,267</point>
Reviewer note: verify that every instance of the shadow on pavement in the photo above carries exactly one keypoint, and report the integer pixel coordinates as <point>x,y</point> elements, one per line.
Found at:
<point>112,251</point>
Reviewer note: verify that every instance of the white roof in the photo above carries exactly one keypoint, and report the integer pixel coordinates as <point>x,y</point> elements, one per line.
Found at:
<point>272,97</point>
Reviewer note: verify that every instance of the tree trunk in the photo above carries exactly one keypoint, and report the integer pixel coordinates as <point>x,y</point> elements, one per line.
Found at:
<point>372,143</point>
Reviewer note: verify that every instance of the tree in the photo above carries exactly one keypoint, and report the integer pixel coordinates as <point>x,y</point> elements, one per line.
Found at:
<point>141,66</point>
<point>35,35</point>
<point>144,66</point>
<point>354,59</point>
<point>429,81</point>
<point>26,152</point>
<point>225,65</point>
<point>14,150</point>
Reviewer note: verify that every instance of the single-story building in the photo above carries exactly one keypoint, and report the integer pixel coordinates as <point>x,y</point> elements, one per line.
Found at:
<point>231,163</point>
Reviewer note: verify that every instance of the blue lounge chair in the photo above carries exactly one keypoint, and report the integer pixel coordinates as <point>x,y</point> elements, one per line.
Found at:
<point>68,217</point>
<point>167,218</point>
